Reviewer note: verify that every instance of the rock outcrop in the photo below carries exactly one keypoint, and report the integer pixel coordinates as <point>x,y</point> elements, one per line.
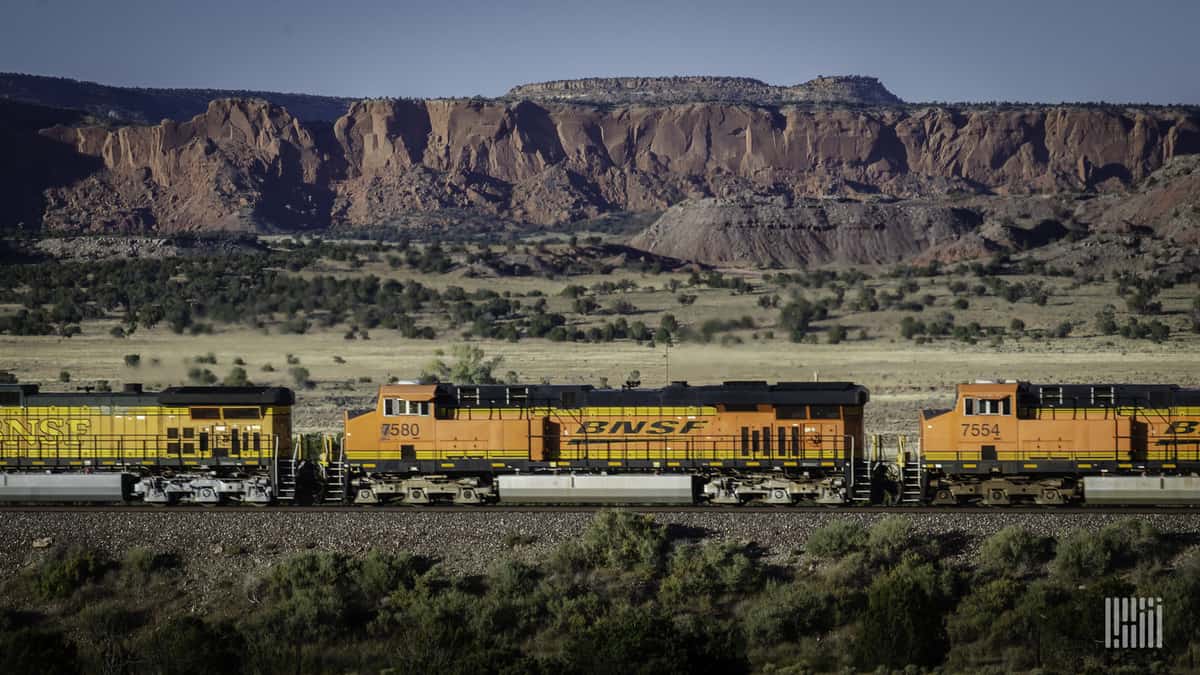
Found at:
<point>242,165</point>
<point>786,232</point>
<point>251,165</point>
<point>845,90</point>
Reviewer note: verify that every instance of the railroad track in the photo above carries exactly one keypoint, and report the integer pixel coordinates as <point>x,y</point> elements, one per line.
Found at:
<point>798,510</point>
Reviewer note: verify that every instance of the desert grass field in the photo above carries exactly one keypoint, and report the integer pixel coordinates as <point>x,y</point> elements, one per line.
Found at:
<point>903,377</point>
<point>903,374</point>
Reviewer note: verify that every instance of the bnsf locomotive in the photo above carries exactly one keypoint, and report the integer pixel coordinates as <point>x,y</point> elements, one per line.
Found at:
<point>204,445</point>
<point>740,442</point>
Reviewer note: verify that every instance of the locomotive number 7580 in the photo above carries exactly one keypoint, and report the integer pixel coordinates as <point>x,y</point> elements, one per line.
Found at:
<point>387,430</point>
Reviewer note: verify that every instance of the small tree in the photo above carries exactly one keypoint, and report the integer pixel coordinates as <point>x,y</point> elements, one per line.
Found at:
<point>236,378</point>
<point>300,376</point>
<point>64,376</point>
<point>133,360</point>
<point>470,366</point>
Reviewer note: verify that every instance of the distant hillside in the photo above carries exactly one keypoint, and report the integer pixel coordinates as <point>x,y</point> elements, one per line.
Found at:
<point>149,106</point>
<point>850,89</point>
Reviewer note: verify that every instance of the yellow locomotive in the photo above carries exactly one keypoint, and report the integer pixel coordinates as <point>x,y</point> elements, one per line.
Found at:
<point>737,441</point>
<point>196,444</point>
<point>1009,441</point>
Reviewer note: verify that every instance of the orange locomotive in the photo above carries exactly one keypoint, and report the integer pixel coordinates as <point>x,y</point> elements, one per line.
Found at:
<point>1010,441</point>
<point>735,442</point>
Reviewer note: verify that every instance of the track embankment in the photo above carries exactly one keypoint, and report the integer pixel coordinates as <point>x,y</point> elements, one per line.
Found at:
<point>469,540</point>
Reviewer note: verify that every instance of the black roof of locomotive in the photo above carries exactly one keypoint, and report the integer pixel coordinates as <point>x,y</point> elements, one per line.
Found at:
<point>1075,395</point>
<point>676,394</point>
<point>31,395</point>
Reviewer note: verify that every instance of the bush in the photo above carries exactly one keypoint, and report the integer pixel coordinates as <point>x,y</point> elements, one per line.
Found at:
<point>64,376</point>
<point>1084,555</point>
<point>133,360</point>
<point>889,539</point>
<point>470,366</point>
<point>700,573</point>
<point>140,564</point>
<point>836,539</point>
<point>300,376</point>
<point>785,612</point>
<point>1013,552</point>
<point>66,570</point>
<point>198,375</point>
<point>236,378</point>
<point>517,539</point>
<point>902,625</point>
<point>616,539</point>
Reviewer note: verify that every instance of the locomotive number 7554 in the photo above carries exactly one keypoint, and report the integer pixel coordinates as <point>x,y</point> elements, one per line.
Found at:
<point>980,430</point>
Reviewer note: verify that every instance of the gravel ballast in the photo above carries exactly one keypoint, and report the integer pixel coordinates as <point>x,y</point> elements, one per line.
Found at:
<point>471,541</point>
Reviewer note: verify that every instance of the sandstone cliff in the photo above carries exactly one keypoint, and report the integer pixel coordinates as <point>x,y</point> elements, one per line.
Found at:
<point>247,164</point>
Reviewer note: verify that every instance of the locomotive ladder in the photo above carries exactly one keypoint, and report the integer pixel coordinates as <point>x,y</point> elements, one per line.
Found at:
<point>334,468</point>
<point>862,471</point>
<point>285,473</point>
<point>912,474</point>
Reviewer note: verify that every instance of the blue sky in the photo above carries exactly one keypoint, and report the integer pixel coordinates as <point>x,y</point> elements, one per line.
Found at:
<point>935,50</point>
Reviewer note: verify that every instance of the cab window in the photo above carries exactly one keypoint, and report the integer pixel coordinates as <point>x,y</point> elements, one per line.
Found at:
<point>987,406</point>
<point>393,407</point>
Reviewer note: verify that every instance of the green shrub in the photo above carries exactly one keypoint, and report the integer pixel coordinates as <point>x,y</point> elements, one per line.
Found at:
<point>133,360</point>
<point>697,573</point>
<point>1013,552</point>
<point>975,616</point>
<point>617,539</point>
<point>889,539</point>
<point>786,611</point>
<point>1084,555</point>
<point>236,378</point>
<point>903,622</point>
<point>300,377</point>
<point>517,539</point>
<point>67,570</point>
<point>836,539</point>
<point>140,564</point>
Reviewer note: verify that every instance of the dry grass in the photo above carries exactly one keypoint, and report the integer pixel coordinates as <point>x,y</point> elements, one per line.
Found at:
<point>902,376</point>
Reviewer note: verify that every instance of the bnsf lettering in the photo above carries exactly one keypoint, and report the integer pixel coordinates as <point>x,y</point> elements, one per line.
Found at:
<point>659,428</point>
<point>1182,427</point>
<point>32,429</point>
